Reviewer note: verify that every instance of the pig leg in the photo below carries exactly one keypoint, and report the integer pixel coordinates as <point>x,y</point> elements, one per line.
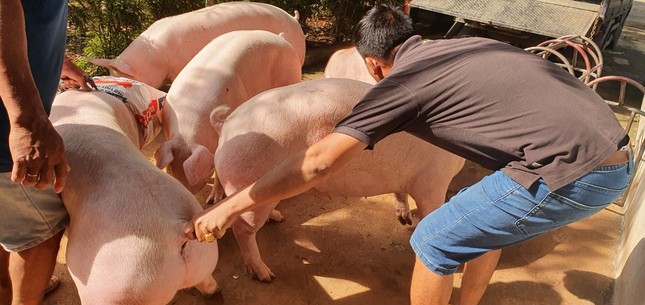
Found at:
<point>245,229</point>
<point>217,193</point>
<point>402,209</point>
<point>431,197</point>
<point>276,216</point>
<point>208,286</point>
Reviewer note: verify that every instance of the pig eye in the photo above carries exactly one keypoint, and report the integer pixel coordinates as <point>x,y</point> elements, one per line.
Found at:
<point>183,246</point>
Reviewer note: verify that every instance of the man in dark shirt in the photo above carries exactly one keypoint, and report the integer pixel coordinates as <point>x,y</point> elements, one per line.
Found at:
<point>557,150</point>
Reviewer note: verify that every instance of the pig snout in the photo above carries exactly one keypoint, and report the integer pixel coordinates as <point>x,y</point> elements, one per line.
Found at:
<point>200,259</point>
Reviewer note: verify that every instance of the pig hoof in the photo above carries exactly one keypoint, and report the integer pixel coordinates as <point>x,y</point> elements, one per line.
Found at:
<point>405,219</point>
<point>217,290</point>
<point>265,277</point>
<point>213,199</point>
<point>276,216</point>
<point>208,287</point>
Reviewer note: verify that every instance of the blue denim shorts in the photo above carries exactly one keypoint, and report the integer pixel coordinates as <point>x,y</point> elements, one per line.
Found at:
<point>497,212</point>
<point>28,216</point>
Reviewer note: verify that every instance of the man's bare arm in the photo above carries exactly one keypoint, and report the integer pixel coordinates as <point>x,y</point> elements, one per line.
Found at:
<point>37,150</point>
<point>295,175</point>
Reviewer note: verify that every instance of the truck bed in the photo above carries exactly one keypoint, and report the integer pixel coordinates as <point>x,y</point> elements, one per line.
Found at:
<point>551,18</point>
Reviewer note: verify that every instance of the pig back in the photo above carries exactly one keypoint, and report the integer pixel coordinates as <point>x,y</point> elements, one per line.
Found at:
<point>180,37</point>
<point>126,216</point>
<point>302,112</point>
<point>278,122</point>
<point>347,63</point>
<point>231,69</point>
<point>228,71</point>
<point>275,124</point>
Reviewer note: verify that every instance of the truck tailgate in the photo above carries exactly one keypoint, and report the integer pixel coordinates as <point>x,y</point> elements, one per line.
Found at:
<point>551,18</point>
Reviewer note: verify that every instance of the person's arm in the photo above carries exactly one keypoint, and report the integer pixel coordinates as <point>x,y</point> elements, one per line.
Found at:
<point>37,149</point>
<point>295,175</point>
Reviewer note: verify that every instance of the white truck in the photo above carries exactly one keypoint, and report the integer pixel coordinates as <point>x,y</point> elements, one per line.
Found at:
<point>522,22</point>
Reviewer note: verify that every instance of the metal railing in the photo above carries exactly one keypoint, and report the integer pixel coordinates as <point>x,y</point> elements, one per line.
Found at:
<point>582,58</point>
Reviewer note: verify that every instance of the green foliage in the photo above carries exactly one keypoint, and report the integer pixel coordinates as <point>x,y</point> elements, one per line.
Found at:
<point>346,14</point>
<point>165,8</point>
<point>332,18</point>
<point>92,46</point>
<point>103,28</point>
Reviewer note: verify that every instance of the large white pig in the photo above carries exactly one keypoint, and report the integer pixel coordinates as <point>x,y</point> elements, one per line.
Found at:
<point>125,239</point>
<point>347,63</point>
<point>162,51</point>
<point>264,131</point>
<point>228,71</point>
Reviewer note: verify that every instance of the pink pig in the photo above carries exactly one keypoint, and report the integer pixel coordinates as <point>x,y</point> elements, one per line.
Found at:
<point>347,63</point>
<point>264,131</point>
<point>228,71</point>
<point>125,239</point>
<point>158,55</point>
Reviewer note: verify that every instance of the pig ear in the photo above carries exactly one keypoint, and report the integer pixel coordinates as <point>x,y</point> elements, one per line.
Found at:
<point>101,62</point>
<point>164,154</point>
<point>122,70</point>
<point>116,68</point>
<point>199,165</point>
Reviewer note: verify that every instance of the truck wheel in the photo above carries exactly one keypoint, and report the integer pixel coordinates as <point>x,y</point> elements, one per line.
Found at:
<point>616,34</point>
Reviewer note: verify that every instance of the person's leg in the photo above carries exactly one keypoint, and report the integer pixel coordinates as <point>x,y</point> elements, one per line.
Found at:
<point>429,288</point>
<point>5,280</point>
<point>32,269</point>
<point>470,228</point>
<point>497,212</point>
<point>477,274</point>
<point>32,223</point>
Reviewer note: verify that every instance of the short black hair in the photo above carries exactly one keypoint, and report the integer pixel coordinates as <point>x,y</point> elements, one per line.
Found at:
<point>382,29</point>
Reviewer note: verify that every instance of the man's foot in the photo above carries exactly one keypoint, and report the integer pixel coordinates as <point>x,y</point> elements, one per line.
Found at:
<point>53,284</point>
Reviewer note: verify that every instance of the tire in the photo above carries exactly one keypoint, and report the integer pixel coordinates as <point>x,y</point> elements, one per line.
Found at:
<point>618,31</point>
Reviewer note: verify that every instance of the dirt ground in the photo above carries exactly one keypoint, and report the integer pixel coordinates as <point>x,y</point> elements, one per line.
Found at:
<point>336,250</point>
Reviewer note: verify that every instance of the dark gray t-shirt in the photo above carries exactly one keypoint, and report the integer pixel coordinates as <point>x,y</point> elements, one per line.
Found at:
<point>493,104</point>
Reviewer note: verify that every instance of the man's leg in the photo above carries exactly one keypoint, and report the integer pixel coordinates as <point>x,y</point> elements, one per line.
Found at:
<point>5,280</point>
<point>463,230</point>
<point>428,288</point>
<point>31,270</point>
<point>477,274</point>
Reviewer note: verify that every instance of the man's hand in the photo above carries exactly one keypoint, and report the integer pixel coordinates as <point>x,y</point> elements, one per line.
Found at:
<point>210,224</point>
<point>73,77</point>
<point>38,153</point>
